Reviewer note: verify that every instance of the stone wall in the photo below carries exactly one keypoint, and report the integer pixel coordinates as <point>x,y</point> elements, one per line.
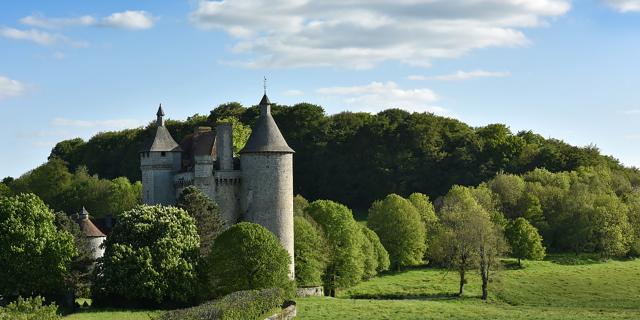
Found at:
<point>158,169</point>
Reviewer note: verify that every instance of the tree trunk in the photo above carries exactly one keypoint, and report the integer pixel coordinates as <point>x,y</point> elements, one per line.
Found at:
<point>519,263</point>
<point>462,280</point>
<point>484,287</point>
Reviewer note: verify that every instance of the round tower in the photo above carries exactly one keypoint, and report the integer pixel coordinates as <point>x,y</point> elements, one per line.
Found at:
<point>267,179</point>
<point>160,160</point>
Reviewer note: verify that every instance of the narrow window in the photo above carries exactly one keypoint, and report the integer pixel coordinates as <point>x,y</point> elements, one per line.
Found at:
<point>162,154</point>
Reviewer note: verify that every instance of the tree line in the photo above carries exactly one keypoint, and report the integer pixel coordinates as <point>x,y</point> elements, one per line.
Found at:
<point>354,157</point>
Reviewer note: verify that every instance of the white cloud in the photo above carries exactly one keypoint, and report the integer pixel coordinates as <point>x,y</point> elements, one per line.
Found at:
<point>625,5</point>
<point>631,112</point>
<point>415,77</point>
<point>135,20</point>
<point>130,19</point>
<point>377,96</point>
<point>464,75</point>
<point>363,33</point>
<point>42,22</point>
<point>293,93</point>
<point>114,124</point>
<point>33,35</point>
<point>11,88</point>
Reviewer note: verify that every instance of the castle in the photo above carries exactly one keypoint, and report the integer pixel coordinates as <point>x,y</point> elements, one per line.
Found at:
<point>258,188</point>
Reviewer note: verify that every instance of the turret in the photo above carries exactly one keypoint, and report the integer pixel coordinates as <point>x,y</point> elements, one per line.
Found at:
<point>227,179</point>
<point>267,179</point>
<point>94,236</point>
<point>160,160</point>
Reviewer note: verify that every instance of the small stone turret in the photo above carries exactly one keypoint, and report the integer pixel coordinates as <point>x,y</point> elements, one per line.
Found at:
<point>227,179</point>
<point>267,179</point>
<point>160,159</point>
<point>92,233</point>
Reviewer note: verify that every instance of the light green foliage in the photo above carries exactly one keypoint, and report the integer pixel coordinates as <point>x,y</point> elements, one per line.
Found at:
<point>47,181</point>
<point>150,257</point>
<point>299,205</point>
<point>33,255</point>
<point>380,253</point>
<point>427,215</point>
<point>205,212</point>
<point>370,259</point>
<point>632,200</point>
<point>509,190</point>
<point>240,132</point>
<point>310,250</point>
<point>524,240</point>
<point>345,266</point>
<point>29,309</point>
<point>247,256</point>
<point>398,224</point>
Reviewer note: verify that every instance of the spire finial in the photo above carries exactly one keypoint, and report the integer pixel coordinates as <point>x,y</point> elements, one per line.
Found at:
<point>265,85</point>
<point>160,115</point>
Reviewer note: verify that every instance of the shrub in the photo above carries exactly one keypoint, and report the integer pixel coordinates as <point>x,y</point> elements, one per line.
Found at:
<point>247,256</point>
<point>310,252</point>
<point>29,309</point>
<point>345,266</point>
<point>524,240</point>
<point>398,224</point>
<point>150,258</point>
<point>33,255</point>
<point>381,254</point>
<point>240,305</point>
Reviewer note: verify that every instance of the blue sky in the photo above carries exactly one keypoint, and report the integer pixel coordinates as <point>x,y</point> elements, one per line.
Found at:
<point>565,69</point>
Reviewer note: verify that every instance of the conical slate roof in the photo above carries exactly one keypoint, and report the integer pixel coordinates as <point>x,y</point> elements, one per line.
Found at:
<point>88,228</point>
<point>265,135</point>
<point>161,141</point>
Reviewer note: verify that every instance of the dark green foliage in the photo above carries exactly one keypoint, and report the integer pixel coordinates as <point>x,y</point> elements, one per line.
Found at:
<point>346,263</point>
<point>150,258</point>
<point>4,190</point>
<point>240,305</point>
<point>247,256</point>
<point>34,256</point>
<point>29,309</point>
<point>78,278</point>
<point>310,251</point>
<point>205,212</point>
<point>524,240</point>
<point>399,225</point>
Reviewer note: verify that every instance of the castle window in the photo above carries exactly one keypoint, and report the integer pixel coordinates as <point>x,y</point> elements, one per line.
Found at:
<point>162,154</point>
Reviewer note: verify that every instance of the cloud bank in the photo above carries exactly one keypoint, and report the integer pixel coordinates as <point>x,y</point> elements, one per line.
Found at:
<point>625,5</point>
<point>11,88</point>
<point>364,33</point>
<point>130,19</point>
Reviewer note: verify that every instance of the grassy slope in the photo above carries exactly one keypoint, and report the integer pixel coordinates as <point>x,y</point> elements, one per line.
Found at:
<point>109,315</point>
<point>543,290</point>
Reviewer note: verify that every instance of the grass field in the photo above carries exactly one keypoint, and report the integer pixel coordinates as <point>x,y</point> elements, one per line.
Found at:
<point>564,288</point>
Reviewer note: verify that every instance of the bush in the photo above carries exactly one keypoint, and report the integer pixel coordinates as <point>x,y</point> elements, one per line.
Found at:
<point>150,258</point>
<point>34,256</point>
<point>524,240</point>
<point>398,224</point>
<point>205,212</point>
<point>346,265</point>
<point>29,309</point>
<point>310,252</point>
<point>240,305</point>
<point>247,256</point>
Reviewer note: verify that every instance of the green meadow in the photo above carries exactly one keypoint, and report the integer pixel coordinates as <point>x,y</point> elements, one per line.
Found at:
<point>563,287</point>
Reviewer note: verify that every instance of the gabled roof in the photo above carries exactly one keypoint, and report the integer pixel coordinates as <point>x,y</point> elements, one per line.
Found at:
<point>161,141</point>
<point>87,227</point>
<point>265,134</point>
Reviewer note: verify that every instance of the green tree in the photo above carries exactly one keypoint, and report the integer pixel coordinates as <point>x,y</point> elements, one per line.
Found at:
<point>247,256</point>
<point>150,258</point>
<point>345,267</point>
<point>524,240</point>
<point>379,252</point>
<point>227,110</point>
<point>427,215</point>
<point>5,191</point>
<point>34,256</point>
<point>240,132</point>
<point>123,195</point>
<point>300,204</point>
<point>206,213</point>
<point>370,259</point>
<point>398,224</point>
<point>78,277</point>
<point>47,181</point>
<point>310,251</point>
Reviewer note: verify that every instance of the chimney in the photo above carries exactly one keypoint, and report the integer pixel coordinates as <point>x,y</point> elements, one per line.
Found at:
<point>224,146</point>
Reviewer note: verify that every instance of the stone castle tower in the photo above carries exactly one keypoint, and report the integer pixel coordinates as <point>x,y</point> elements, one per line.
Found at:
<point>258,188</point>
